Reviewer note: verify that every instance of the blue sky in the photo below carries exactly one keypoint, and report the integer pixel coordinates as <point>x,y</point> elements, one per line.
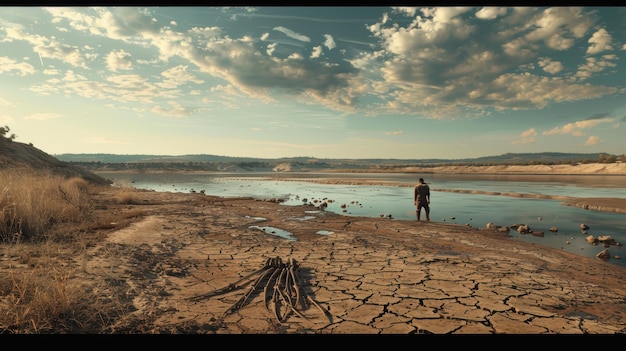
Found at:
<point>327,82</point>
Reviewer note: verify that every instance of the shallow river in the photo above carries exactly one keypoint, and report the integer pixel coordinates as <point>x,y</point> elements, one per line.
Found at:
<point>451,200</point>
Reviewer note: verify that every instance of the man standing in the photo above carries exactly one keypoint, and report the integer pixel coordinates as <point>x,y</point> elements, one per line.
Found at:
<point>421,198</point>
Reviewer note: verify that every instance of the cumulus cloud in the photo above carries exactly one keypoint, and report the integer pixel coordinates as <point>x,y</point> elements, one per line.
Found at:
<point>577,128</point>
<point>10,66</point>
<point>559,27</point>
<point>119,60</point>
<point>177,76</point>
<point>599,41</point>
<point>592,140</point>
<point>317,52</point>
<point>410,11</point>
<point>550,66</point>
<point>270,49</point>
<point>595,65</point>
<point>49,47</point>
<point>436,60</point>
<point>329,42</point>
<point>433,62</point>
<point>489,13</point>
<point>527,137</point>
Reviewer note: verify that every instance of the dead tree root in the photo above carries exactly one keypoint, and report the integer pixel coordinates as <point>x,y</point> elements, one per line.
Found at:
<point>282,287</point>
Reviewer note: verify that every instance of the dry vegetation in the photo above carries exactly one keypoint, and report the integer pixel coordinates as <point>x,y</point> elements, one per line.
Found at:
<point>47,220</point>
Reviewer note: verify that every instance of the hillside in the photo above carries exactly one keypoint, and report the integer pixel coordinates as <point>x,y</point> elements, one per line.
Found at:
<point>508,158</point>
<point>19,155</point>
<point>214,163</point>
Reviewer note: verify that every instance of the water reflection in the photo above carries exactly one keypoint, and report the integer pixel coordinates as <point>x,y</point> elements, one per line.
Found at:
<point>275,231</point>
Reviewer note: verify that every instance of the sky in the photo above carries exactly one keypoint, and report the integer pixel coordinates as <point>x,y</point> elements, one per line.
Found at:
<point>325,82</point>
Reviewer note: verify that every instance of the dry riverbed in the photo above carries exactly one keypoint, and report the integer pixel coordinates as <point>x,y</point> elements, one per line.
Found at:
<point>182,268</point>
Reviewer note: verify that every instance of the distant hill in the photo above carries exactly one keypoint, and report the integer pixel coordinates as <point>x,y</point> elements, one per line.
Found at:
<point>16,154</point>
<point>19,155</point>
<point>207,162</point>
<point>509,158</point>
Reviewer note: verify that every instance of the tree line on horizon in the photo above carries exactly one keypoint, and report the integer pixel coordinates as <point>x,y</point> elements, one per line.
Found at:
<point>353,165</point>
<point>208,162</point>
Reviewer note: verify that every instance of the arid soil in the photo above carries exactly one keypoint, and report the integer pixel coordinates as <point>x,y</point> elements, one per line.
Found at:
<point>183,265</point>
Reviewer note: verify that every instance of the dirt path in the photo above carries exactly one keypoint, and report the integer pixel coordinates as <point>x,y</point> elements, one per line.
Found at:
<point>372,275</point>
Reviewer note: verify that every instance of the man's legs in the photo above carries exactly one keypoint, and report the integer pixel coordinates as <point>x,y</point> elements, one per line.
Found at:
<point>419,211</point>
<point>427,209</point>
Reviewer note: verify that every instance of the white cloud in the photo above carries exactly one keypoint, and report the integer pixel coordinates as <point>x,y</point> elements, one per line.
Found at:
<point>592,140</point>
<point>550,66</point>
<point>489,13</point>
<point>558,27</point>
<point>577,128</point>
<point>316,52</point>
<point>292,34</point>
<point>527,137</point>
<point>410,11</point>
<point>432,62</point>
<point>8,65</point>
<point>177,76</point>
<point>271,48</point>
<point>329,42</point>
<point>599,41</point>
<point>43,116</point>
<point>119,60</point>
<point>594,65</point>
<point>175,110</point>
<point>49,47</point>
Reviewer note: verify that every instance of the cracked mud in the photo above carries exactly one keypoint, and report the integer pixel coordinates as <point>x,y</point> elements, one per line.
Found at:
<point>371,275</point>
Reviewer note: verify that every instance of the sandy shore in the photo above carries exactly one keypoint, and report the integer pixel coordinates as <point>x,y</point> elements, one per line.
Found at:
<point>561,169</point>
<point>369,275</point>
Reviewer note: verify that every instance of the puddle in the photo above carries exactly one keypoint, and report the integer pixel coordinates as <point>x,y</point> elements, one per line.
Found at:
<point>275,231</point>
<point>257,218</point>
<point>305,218</point>
<point>324,232</point>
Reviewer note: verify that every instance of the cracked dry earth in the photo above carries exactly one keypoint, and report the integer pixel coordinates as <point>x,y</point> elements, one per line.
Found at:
<point>372,275</point>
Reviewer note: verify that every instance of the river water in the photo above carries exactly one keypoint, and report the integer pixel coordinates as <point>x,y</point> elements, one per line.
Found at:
<point>455,199</point>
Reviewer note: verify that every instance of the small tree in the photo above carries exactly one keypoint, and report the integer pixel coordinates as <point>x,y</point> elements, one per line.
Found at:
<point>606,158</point>
<point>4,131</point>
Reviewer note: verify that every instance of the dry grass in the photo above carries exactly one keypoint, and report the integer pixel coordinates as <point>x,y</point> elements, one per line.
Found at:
<point>127,197</point>
<point>31,203</point>
<point>47,223</point>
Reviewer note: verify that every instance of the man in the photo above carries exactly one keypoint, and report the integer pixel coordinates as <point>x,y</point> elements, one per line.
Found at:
<point>421,198</point>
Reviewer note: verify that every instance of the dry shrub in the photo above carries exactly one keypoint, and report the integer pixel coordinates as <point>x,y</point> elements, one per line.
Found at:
<point>78,183</point>
<point>47,223</point>
<point>127,197</point>
<point>31,202</point>
<point>44,300</point>
<point>34,302</point>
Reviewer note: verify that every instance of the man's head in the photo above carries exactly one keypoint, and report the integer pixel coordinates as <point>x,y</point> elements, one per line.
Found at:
<point>421,180</point>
